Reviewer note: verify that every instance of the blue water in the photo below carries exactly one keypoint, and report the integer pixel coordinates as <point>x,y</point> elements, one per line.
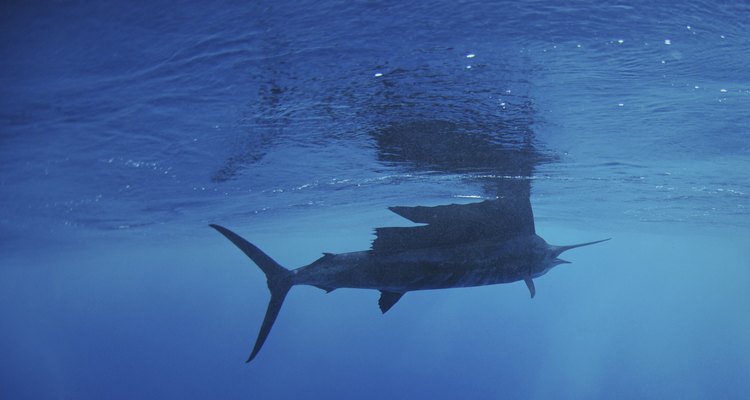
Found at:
<point>126,128</point>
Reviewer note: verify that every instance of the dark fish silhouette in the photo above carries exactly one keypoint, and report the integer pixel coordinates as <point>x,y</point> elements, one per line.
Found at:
<point>461,246</point>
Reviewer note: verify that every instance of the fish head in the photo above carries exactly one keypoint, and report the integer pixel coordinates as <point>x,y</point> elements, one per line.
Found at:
<point>552,253</point>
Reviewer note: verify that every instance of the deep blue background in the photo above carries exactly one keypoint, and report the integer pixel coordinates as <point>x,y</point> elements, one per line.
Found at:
<point>126,128</point>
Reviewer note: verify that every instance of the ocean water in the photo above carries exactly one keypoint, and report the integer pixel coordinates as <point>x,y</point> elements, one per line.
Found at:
<point>125,129</point>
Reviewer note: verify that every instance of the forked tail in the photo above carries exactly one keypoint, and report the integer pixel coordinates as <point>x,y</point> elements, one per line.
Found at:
<point>279,282</point>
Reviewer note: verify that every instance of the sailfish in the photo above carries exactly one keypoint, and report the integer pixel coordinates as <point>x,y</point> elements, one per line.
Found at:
<point>457,245</point>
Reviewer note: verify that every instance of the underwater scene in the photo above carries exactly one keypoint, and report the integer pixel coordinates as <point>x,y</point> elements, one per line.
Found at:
<point>451,199</point>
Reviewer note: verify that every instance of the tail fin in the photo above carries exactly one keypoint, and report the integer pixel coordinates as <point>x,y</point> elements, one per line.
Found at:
<point>279,282</point>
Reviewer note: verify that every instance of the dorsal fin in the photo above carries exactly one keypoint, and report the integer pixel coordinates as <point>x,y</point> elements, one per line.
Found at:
<point>388,299</point>
<point>497,220</point>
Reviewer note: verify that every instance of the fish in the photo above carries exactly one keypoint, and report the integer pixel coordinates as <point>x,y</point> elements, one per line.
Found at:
<point>456,245</point>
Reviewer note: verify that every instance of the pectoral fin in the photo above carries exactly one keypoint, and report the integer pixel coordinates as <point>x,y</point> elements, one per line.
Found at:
<point>388,299</point>
<point>530,285</point>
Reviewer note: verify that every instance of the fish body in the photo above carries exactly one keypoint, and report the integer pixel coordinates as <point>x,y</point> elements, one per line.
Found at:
<point>470,264</point>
